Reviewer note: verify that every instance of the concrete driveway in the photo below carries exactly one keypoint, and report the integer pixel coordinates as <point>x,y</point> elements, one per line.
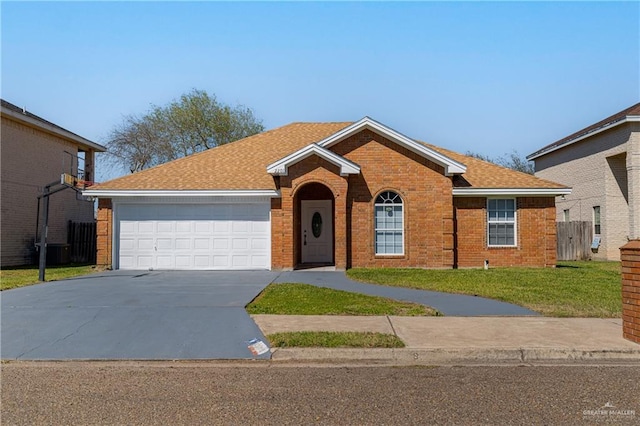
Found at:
<point>133,315</point>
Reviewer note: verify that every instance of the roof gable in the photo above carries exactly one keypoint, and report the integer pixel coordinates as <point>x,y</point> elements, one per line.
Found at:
<point>281,167</point>
<point>241,167</point>
<point>451,167</point>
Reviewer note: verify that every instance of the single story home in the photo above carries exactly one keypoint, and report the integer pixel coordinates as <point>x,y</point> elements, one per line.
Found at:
<point>344,194</point>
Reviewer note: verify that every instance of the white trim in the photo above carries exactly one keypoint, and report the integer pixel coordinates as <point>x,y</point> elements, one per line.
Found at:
<point>593,215</point>
<point>451,166</point>
<point>520,192</point>
<point>113,193</point>
<point>191,200</point>
<point>627,119</point>
<point>115,236</point>
<point>515,222</point>
<point>281,167</point>
<point>51,128</point>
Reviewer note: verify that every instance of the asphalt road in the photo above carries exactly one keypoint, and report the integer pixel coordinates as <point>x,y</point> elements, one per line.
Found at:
<point>266,393</point>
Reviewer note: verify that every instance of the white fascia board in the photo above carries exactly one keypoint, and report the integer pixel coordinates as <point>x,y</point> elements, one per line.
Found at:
<point>451,166</point>
<point>48,128</point>
<point>627,119</point>
<point>531,192</point>
<point>281,167</point>
<point>110,193</point>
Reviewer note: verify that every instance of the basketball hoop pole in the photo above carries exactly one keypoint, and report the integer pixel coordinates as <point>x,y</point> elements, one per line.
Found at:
<point>66,181</point>
<point>43,234</point>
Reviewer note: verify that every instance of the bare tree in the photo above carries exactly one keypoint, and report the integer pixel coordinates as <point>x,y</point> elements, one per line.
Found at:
<point>195,122</point>
<point>511,161</point>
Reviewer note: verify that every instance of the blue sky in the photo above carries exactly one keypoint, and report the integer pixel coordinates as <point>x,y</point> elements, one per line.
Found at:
<point>483,77</point>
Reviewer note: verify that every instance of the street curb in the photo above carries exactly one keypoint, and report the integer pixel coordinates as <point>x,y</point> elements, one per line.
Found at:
<point>447,356</point>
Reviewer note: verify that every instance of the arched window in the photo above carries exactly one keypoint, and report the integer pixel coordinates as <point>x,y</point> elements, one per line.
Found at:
<point>389,224</point>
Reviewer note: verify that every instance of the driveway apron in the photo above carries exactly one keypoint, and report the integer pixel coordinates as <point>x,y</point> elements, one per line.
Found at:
<point>449,304</point>
<point>155,315</point>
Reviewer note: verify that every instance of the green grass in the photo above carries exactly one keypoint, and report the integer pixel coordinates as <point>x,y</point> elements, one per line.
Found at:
<point>573,289</point>
<point>330,339</point>
<point>28,275</point>
<point>305,299</point>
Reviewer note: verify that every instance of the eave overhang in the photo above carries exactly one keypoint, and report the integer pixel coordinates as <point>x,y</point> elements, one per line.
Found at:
<point>52,129</point>
<point>281,167</point>
<point>520,192</point>
<point>112,193</point>
<point>545,151</point>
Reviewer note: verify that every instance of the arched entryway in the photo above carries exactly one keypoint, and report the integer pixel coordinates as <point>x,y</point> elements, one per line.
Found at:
<point>314,226</point>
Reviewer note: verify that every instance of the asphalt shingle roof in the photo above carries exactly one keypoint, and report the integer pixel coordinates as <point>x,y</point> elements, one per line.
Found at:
<point>633,110</point>
<point>243,165</point>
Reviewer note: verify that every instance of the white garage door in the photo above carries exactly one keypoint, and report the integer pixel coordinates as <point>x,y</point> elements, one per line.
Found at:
<point>194,236</point>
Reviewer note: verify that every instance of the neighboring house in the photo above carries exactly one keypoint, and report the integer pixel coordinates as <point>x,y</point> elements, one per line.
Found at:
<point>601,164</point>
<point>34,154</point>
<point>344,194</point>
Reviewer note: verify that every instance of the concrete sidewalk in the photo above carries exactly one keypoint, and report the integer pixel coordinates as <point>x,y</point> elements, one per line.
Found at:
<point>436,340</point>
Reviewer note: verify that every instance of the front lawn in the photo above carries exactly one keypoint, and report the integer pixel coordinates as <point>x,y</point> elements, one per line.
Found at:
<point>573,289</point>
<point>27,275</point>
<point>305,299</point>
<point>330,339</point>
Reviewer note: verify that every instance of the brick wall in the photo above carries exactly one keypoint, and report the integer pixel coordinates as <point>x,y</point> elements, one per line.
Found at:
<point>536,234</point>
<point>104,233</point>
<point>32,159</point>
<point>309,170</point>
<point>630,254</point>
<point>427,204</point>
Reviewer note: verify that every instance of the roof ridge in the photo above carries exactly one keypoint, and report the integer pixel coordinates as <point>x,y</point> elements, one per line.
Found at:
<point>633,110</point>
<point>230,145</point>
<point>23,110</point>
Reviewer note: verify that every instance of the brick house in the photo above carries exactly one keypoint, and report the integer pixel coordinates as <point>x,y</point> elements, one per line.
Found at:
<point>35,152</point>
<point>601,163</point>
<point>344,194</point>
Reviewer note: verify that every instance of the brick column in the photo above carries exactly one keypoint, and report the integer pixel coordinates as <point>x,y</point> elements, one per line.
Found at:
<point>630,254</point>
<point>340,231</point>
<point>633,178</point>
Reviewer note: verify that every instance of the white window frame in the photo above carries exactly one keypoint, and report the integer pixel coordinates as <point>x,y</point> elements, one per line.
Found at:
<point>566,216</point>
<point>514,222</point>
<point>376,230</point>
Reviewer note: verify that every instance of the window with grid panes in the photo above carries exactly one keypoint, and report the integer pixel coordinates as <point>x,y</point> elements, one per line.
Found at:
<point>501,222</point>
<point>389,224</point>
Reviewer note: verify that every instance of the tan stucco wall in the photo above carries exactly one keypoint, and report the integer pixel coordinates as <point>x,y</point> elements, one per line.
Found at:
<point>597,169</point>
<point>31,159</point>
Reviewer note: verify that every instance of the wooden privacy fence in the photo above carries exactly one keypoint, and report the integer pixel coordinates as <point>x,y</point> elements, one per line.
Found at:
<point>574,240</point>
<point>81,238</point>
